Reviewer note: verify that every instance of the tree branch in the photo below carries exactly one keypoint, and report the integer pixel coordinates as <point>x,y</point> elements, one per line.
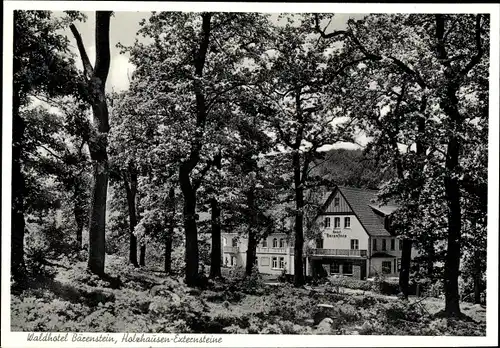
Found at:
<point>87,67</point>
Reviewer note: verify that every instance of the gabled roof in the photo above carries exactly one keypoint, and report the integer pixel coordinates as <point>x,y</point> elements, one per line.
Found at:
<point>365,206</point>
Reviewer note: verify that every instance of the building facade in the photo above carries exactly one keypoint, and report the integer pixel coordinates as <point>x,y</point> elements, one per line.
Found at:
<point>355,240</point>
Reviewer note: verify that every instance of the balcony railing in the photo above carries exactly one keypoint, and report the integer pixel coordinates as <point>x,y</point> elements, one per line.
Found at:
<point>272,250</point>
<point>339,252</point>
<point>231,249</point>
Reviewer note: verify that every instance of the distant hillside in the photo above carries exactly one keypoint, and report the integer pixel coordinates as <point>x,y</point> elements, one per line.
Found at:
<point>351,168</point>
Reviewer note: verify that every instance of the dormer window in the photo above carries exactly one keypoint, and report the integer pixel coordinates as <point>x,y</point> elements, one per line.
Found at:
<point>336,201</point>
<point>282,243</point>
<point>275,243</point>
<point>387,222</point>
<point>235,242</point>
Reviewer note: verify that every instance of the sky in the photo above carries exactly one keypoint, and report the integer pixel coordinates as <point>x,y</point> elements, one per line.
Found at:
<point>123,30</point>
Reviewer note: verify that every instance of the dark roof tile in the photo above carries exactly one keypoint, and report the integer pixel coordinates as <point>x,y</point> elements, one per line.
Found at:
<point>361,201</point>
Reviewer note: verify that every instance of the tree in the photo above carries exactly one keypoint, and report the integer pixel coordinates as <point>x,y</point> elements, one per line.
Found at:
<point>41,66</point>
<point>95,83</point>
<point>444,55</point>
<point>188,66</point>
<point>301,88</point>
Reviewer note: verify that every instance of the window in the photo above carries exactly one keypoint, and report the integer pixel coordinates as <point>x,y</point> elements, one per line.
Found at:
<point>282,262</point>
<point>226,261</point>
<point>275,243</point>
<point>224,241</point>
<point>400,244</point>
<point>275,262</point>
<point>319,243</point>
<point>336,222</point>
<point>384,245</point>
<point>375,245</point>
<point>393,244</point>
<point>347,268</point>
<point>327,222</point>
<point>264,261</point>
<point>235,242</point>
<point>334,268</point>
<point>354,244</point>
<point>233,261</point>
<point>282,243</point>
<point>347,222</point>
<point>386,267</point>
<point>264,243</point>
<point>399,265</point>
<point>336,201</point>
<point>395,266</point>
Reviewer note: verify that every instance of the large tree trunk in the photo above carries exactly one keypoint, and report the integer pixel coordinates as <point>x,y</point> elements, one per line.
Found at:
<point>189,188</point>
<point>191,232</point>
<point>298,278</point>
<point>98,141</point>
<point>252,240</point>
<point>131,189</point>
<point>404,275</point>
<point>171,229</point>
<point>452,264</point>
<point>216,252</point>
<point>18,269</point>
<point>97,243</point>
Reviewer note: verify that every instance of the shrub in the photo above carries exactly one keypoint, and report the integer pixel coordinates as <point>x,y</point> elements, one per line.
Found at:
<point>351,283</point>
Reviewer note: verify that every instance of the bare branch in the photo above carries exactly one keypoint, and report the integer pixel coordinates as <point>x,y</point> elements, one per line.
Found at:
<point>87,67</point>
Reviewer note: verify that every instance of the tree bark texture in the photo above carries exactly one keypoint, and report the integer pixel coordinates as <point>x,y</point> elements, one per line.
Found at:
<point>216,252</point>
<point>18,269</point>
<point>171,230</point>
<point>252,240</point>
<point>98,140</point>
<point>142,255</point>
<point>299,278</point>
<point>189,188</point>
<point>131,190</point>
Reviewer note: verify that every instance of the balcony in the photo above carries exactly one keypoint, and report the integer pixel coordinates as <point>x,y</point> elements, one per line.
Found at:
<point>339,252</point>
<point>273,250</point>
<point>231,249</point>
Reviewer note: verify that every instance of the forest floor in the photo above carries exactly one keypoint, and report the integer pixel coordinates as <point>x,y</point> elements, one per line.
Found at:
<point>144,300</point>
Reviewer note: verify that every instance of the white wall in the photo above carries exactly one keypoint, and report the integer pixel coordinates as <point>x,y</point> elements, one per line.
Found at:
<point>341,238</point>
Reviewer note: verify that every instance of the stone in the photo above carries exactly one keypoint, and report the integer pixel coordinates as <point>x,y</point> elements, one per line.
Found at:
<point>325,327</point>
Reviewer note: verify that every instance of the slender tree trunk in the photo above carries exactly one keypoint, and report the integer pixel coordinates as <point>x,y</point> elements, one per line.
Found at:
<point>477,277</point>
<point>131,189</point>
<point>142,255</point>
<point>298,279</point>
<point>98,140</point>
<point>404,272</point>
<point>171,229</point>
<point>216,252</point>
<point>18,269</point>
<point>79,212</point>
<point>431,255</point>
<point>252,240</point>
